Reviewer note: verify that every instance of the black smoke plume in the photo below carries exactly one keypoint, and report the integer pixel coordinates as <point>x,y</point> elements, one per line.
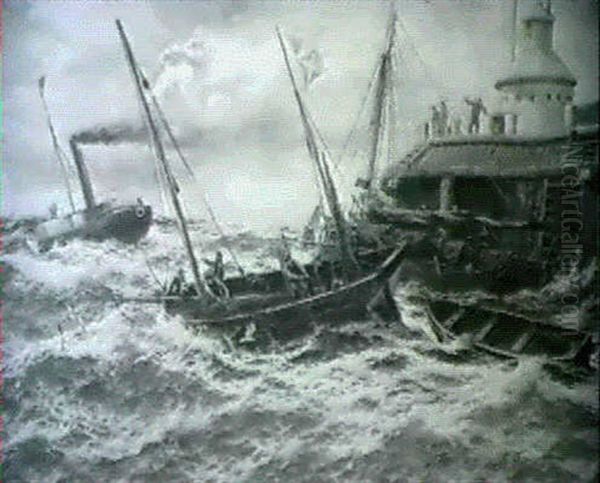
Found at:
<point>109,135</point>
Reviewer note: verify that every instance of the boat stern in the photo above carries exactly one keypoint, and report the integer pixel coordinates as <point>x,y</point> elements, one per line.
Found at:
<point>126,223</point>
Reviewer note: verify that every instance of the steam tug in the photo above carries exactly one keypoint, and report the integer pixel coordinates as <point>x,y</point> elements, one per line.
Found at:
<point>97,221</point>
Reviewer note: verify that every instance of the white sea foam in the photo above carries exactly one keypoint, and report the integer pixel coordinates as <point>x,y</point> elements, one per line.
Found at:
<point>146,396</point>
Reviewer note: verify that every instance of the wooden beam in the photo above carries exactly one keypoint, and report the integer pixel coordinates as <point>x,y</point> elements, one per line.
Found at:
<point>522,341</point>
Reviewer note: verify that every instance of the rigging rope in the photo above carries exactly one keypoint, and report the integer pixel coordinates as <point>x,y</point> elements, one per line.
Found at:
<point>161,181</point>
<point>389,37</point>
<point>223,236</point>
<point>167,127</point>
<point>162,286</point>
<point>361,111</point>
<point>183,159</point>
<point>60,154</point>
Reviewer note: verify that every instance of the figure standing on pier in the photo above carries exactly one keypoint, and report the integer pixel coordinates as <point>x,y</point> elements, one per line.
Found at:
<point>444,116</point>
<point>477,108</point>
<point>435,122</point>
<point>456,125</point>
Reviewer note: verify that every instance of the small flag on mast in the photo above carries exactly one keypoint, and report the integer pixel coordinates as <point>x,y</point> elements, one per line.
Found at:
<point>311,62</point>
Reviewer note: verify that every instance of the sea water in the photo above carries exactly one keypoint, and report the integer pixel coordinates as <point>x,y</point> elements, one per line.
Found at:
<point>97,390</point>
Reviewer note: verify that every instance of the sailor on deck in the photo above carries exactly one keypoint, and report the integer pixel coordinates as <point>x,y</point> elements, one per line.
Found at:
<point>53,211</point>
<point>215,276</point>
<point>294,274</point>
<point>177,284</point>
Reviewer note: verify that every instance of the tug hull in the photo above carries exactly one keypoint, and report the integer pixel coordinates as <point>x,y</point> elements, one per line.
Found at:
<point>126,223</point>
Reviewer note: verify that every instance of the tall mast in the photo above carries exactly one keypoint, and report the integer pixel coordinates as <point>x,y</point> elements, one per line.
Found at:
<point>378,120</point>
<point>320,156</point>
<point>57,149</point>
<point>382,100</point>
<point>166,171</point>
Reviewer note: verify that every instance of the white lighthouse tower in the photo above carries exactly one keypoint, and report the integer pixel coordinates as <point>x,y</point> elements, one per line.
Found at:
<point>539,87</point>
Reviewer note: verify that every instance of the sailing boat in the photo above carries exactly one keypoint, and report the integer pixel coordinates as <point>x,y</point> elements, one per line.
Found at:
<point>97,221</point>
<point>322,226</point>
<point>264,297</point>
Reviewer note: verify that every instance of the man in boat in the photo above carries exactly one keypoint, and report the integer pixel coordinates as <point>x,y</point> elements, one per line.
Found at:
<point>53,211</point>
<point>180,288</point>
<point>177,284</point>
<point>295,276</point>
<point>215,276</point>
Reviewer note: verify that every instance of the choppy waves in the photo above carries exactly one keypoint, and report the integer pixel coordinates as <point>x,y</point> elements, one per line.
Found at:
<point>99,391</point>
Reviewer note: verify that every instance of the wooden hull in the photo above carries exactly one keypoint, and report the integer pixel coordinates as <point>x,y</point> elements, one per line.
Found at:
<point>127,223</point>
<point>458,267</point>
<point>124,223</point>
<point>498,278</point>
<point>279,310</point>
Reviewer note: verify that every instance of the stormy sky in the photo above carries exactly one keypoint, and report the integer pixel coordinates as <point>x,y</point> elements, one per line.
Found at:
<point>220,76</point>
